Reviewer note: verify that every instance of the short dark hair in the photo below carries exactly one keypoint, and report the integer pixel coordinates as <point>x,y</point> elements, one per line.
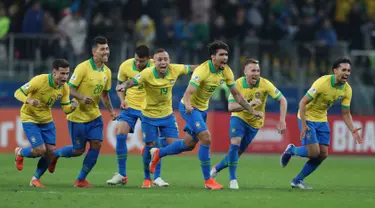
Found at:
<point>99,40</point>
<point>216,45</point>
<point>142,51</point>
<point>159,50</point>
<point>341,60</point>
<point>60,63</point>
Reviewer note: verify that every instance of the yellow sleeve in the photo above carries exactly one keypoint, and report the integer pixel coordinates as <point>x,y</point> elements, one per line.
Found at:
<point>108,81</point>
<point>198,76</point>
<point>229,77</point>
<point>121,76</point>
<point>31,86</point>
<point>272,90</point>
<point>181,68</point>
<point>345,103</point>
<point>142,76</point>
<point>315,89</point>
<point>77,76</point>
<point>65,103</point>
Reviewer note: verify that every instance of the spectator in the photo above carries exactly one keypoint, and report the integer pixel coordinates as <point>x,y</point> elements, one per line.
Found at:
<point>145,31</point>
<point>326,39</point>
<point>4,23</point>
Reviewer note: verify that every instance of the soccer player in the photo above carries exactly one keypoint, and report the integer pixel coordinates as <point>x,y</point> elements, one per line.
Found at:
<point>194,105</point>
<point>131,106</point>
<point>38,97</point>
<point>312,119</point>
<point>90,81</point>
<point>157,112</point>
<point>244,126</point>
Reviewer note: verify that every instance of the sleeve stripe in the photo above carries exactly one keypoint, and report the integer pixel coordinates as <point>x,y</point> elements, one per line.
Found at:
<point>277,97</point>
<point>22,91</point>
<point>106,90</point>
<point>345,106</point>
<point>231,85</point>
<point>135,81</point>
<point>192,83</point>
<point>232,100</point>
<point>308,95</point>
<point>189,69</point>
<point>72,85</point>
<point>66,103</point>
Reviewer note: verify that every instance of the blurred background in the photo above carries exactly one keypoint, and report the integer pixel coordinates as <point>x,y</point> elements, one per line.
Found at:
<point>296,41</point>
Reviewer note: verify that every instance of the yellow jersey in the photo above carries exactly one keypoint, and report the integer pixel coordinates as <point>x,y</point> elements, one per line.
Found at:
<point>135,95</point>
<point>158,99</point>
<point>262,89</point>
<point>89,81</point>
<point>206,80</point>
<point>42,88</point>
<point>323,94</point>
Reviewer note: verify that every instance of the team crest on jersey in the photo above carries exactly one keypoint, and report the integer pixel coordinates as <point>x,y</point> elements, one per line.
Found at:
<point>257,94</point>
<point>312,90</point>
<point>138,76</point>
<point>27,86</point>
<point>195,78</point>
<point>105,79</point>
<point>221,81</point>
<point>198,125</point>
<point>74,77</point>
<point>172,81</point>
<point>58,96</point>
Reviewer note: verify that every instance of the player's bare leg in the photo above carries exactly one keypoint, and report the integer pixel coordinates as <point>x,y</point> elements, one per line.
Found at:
<point>42,166</point>
<point>20,153</point>
<point>120,177</point>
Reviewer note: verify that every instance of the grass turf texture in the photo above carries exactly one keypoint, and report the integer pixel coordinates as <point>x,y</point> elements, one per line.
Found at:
<point>339,182</point>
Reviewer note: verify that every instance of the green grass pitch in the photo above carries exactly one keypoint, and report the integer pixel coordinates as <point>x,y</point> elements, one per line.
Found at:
<point>339,182</point>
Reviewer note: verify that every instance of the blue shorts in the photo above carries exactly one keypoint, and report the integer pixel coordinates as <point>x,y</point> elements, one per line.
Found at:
<point>130,116</point>
<point>319,133</point>
<point>153,128</point>
<point>39,134</point>
<point>80,133</point>
<point>239,128</point>
<point>195,121</point>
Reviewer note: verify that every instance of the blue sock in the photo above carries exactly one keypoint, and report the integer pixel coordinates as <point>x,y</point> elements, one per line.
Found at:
<point>310,166</point>
<point>88,163</point>
<point>160,142</point>
<point>300,151</point>
<point>146,158</point>
<point>66,151</point>
<point>204,157</point>
<point>223,164</point>
<point>173,149</point>
<point>42,166</point>
<point>26,152</point>
<point>122,153</point>
<point>233,160</point>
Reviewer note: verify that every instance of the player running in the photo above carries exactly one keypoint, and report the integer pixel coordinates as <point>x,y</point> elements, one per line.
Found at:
<point>312,119</point>
<point>38,97</point>
<point>90,81</point>
<point>131,106</point>
<point>243,125</point>
<point>157,112</point>
<point>194,105</point>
